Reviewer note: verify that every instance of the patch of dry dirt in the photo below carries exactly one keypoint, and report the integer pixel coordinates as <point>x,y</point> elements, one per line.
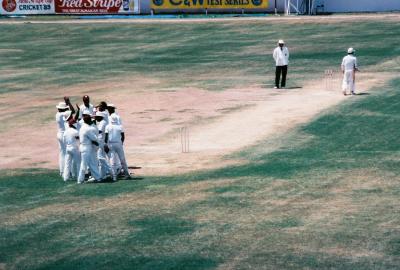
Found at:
<point>219,123</point>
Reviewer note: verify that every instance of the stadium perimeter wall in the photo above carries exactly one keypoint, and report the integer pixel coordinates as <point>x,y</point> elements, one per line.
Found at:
<point>128,7</point>
<point>335,6</point>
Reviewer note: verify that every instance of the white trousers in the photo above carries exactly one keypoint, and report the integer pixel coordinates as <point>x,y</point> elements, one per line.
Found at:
<point>72,162</point>
<point>117,151</point>
<point>61,149</point>
<point>88,160</point>
<point>104,165</point>
<point>115,162</point>
<point>348,81</point>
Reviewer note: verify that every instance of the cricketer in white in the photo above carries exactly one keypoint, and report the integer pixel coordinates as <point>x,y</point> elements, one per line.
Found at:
<point>349,68</point>
<point>114,139</point>
<point>88,139</point>
<point>72,156</point>
<point>62,108</point>
<point>101,154</point>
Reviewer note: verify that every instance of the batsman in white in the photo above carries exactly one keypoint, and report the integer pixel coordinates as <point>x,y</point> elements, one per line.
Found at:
<point>349,68</point>
<point>114,140</point>
<point>88,140</point>
<point>72,156</point>
<point>104,165</point>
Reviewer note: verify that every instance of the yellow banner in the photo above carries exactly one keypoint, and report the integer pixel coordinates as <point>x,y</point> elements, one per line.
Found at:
<point>209,4</point>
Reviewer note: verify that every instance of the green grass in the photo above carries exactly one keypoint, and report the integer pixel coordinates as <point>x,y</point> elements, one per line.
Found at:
<point>327,199</point>
<point>326,203</point>
<point>212,55</point>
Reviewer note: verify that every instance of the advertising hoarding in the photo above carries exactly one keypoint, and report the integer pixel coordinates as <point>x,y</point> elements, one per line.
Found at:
<point>208,4</point>
<point>26,7</point>
<point>97,6</point>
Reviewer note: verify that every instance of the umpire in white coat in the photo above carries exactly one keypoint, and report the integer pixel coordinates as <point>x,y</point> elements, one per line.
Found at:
<point>281,57</point>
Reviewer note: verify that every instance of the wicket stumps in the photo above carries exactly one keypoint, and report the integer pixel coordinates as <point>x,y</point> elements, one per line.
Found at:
<point>329,79</point>
<point>185,142</point>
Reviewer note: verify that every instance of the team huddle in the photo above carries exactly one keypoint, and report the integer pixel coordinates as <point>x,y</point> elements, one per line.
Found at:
<point>90,142</point>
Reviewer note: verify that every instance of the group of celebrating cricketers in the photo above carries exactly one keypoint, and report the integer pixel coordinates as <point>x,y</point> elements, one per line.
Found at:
<point>90,140</point>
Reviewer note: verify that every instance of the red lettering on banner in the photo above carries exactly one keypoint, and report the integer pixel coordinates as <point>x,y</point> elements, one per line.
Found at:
<point>88,6</point>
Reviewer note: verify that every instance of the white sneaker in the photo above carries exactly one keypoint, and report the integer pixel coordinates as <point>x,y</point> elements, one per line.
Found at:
<point>91,179</point>
<point>276,87</point>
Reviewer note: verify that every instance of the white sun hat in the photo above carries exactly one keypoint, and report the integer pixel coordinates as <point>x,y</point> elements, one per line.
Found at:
<point>62,105</point>
<point>350,50</point>
<point>281,41</point>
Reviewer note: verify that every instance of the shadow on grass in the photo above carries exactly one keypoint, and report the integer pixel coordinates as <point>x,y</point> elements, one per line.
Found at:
<point>317,260</point>
<point>125,260</point>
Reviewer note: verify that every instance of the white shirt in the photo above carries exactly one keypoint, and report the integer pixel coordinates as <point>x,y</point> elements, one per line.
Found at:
<point>83,107</point>
<point>102,130</point>
<point>349,63</point>
<point>60,121</point>
<point>281,56</point>
<point>87,134</point>
<point>114,133</point>
<point>70,139</point>
<point>79,124</point>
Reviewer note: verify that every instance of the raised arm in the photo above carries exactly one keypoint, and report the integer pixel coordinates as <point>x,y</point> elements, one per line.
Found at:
<point>77,113</point>
<point>68,102</point>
